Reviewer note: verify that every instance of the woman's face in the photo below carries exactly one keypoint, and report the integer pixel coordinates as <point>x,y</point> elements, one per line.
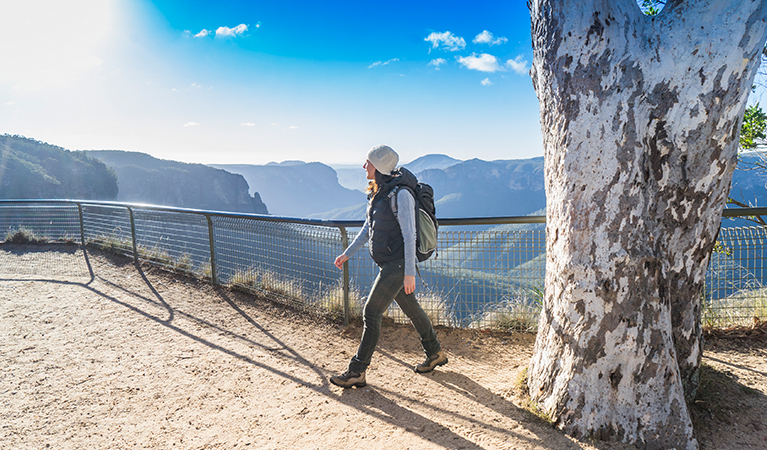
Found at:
<point>371,170</point>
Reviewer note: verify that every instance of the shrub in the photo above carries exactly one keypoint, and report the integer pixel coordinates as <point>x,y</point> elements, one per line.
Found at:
<point>23,236</point>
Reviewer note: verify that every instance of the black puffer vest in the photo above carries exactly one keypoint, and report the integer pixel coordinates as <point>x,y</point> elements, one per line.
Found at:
<point>385,241</point>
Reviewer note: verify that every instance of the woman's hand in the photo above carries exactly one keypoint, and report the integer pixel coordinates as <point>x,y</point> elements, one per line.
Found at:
<point>340,260</point>
<point>409,284</point>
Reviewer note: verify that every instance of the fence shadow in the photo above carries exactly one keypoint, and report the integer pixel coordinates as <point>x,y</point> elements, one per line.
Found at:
<point>152,300</point>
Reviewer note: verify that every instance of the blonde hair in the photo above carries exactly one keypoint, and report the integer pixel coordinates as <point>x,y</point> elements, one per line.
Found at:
<point>372,188</point>
<point>375,184</point>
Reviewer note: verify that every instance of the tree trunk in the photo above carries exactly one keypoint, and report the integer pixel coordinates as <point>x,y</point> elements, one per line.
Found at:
<point>640,117</point>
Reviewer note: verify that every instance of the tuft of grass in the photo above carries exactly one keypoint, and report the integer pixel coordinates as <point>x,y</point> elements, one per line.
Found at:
<point>206,270</point>
<point>281,285</point>
<point>437,308</point>
<point>739,309</point>
<point>518,313</point>
<point>112,244</point>
<point>257,279</point>
<point>184,263</point>
<point>156,255</point>
<point>244,278</point>
<point>332,299</point>
<point>24,236</point>
<point>522,388</point>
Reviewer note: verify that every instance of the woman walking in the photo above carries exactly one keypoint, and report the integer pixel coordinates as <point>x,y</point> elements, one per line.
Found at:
<point>391,241</point>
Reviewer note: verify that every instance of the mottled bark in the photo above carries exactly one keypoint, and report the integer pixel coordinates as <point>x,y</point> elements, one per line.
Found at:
<point>640,117</point>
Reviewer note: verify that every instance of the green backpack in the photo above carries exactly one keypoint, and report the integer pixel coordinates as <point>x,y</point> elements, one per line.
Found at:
<point>425,219</point>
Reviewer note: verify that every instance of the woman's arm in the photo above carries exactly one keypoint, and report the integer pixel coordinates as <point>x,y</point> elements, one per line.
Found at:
<point>406,219</point>
<point>356,244</point>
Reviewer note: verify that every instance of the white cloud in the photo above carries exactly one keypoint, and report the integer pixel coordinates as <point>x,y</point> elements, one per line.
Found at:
<point>195,85</point>
<point>191,124</point>
<point>174,89</point>
<point>9,103</point>
<point>447,40</point>
<point>293,127</point>
<point>486,37</point>
<point>203,33</point>
<point>518,65</point>
<point>437,62</point>
<point>484,62</point>
<point>231,32</point>
<point>380,63</point>
<point>486,82</point>
<point>248,124</point>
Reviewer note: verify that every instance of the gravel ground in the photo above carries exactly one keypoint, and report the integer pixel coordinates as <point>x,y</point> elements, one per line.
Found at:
<point>98,353</point>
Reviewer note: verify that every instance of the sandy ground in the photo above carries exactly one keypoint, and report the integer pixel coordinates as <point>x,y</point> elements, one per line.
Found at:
<point>139,358</point>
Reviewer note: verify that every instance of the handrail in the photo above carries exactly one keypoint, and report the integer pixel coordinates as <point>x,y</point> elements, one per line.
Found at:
<point>744,212</point>
<point>497,220</point>
<point>494,220</point>
<point>341,225</point>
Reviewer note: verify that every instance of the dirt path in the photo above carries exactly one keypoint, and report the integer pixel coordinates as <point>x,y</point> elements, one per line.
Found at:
<point>139,358</point>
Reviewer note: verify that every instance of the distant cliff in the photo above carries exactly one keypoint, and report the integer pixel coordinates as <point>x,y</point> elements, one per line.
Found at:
<point>145,179</point>
<point>297,189</point>
<point>477,188</point>
<point>353,176</point>
<point>34,169</point>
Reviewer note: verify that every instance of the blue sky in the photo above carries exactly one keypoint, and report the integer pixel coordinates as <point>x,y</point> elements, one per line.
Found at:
<point>259,81</point>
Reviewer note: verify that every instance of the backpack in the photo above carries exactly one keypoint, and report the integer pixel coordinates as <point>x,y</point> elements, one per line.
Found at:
<point>425,219</point>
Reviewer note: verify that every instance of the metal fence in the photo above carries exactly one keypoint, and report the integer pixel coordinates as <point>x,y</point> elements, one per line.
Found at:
<point>488,272</point>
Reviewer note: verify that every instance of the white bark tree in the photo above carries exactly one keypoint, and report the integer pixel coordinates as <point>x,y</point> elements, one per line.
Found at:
<point>640,117</point>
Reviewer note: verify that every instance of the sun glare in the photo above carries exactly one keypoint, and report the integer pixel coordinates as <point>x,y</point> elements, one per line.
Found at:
<point>50,43</point>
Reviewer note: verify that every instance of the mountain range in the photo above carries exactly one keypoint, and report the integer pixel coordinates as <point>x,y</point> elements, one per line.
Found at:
<point>142,178</point>
<point>296,188</point>
<point>352,176</point>
<point>472,188</point>
<point>33,169</point>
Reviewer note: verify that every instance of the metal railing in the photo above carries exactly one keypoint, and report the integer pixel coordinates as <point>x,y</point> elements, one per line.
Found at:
<point>488,272</point>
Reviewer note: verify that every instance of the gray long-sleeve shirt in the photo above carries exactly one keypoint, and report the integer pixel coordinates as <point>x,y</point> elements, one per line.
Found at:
<point>406,219</point>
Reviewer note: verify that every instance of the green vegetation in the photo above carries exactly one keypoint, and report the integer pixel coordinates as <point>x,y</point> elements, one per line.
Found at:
<point>517,313</point>
<point>145,179</point>
<point>34,169</point>
<point>752,132</point>
<point>651,7</point>
<point>438,308</point>
<point>113,244</point>
<point>523,392</point>
<point>266,281</point>
<point>331,299</point>
<point>24,236</point>
<point>744,308</point>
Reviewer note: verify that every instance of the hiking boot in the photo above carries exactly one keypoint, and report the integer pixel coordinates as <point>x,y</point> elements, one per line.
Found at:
<point>349,379</point>
<point>440,359</point>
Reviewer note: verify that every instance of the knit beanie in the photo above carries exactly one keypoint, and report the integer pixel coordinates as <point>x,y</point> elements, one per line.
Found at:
<point>383,158</point>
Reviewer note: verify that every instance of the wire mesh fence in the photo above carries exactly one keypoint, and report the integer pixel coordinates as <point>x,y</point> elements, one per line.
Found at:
<point>54,221</point>
<point>290,260</point>
<point>736,287</point>
<point>485,275</point>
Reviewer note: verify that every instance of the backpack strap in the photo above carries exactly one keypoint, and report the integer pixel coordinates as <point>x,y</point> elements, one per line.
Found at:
<point>392,196</point>
<point>393,200</point>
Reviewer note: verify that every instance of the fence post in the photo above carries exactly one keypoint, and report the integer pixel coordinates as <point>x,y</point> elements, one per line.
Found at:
<point>133,235</point>
<point>82,226</point>
<point>211,241</point>
<point>347,306</point>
